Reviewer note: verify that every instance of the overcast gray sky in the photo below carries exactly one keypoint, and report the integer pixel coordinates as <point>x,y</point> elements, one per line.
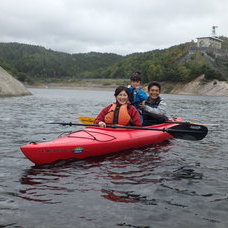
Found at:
<point>117,26</point>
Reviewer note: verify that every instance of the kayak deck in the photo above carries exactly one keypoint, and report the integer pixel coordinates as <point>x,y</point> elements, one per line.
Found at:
<point>93,141</point>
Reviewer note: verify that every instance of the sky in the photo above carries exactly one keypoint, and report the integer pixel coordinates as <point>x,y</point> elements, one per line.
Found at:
<point>110,26</point>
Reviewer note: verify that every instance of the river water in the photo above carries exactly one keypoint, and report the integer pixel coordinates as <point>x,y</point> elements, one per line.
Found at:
<point>175,184</point>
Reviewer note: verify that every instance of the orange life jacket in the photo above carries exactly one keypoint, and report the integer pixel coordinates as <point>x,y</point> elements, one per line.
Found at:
<point>118,115</point>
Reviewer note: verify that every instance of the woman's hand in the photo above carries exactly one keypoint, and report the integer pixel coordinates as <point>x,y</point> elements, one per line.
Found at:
<point>141,106</point>
<point>102,124</point>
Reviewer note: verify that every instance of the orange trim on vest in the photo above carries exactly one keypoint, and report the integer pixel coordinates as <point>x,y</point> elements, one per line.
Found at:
<point>123,117</point>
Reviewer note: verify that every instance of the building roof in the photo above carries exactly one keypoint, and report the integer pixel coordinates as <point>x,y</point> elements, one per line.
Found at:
<point>210,37</point>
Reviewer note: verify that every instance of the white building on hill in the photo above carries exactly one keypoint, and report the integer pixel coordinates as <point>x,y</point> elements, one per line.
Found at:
<point>209,42</point>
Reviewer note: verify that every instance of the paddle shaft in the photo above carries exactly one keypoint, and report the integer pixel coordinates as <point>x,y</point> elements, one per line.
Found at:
<point>90,120</point>
<point>168,130</point>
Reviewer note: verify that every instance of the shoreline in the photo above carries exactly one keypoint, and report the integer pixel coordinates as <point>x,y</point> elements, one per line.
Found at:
<point>198,87</point>
<point>83,85</point>
<point>73,87</point>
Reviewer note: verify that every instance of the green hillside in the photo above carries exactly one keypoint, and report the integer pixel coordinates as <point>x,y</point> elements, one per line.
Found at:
<point>176,64</point>
<point>180,63</point>
<point>155,65</point>
<point>29,62</point>
<point>225,41</point>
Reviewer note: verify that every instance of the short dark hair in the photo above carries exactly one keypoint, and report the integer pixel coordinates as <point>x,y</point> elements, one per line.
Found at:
<point>119,89</point>
<point>136,77</point>
<point>154,84</point>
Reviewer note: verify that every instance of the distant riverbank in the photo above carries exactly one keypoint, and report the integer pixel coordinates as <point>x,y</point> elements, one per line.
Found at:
<point>9,86</point>
<point>199,86</point>
<point>84,84</point>
<point>196,87</point>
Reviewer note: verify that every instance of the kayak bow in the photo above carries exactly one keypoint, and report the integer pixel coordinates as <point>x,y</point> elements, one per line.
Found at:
<point>95,141</point>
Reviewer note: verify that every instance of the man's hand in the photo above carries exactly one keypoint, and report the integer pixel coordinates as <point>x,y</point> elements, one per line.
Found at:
<point>102,124</point>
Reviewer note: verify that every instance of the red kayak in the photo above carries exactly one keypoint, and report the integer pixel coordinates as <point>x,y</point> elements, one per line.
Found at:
<point>96,141</point>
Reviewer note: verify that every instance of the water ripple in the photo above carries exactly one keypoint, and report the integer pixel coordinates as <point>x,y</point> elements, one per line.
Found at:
<point>174,184</point>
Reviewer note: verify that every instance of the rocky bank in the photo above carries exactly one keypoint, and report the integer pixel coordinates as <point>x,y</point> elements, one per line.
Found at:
<point>9,86</point>
<point>197,87</point>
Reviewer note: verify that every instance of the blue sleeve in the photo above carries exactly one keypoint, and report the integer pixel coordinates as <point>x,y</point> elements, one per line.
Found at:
<point>142,95</point>
<point>130,88</point>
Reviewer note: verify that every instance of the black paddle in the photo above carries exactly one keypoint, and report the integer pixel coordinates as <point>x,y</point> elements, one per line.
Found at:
<point>180,131</point>
<point>188,122</point>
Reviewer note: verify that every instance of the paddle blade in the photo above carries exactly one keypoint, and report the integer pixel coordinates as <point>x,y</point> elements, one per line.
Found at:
<point>188,131</point>
<point>86,120</point>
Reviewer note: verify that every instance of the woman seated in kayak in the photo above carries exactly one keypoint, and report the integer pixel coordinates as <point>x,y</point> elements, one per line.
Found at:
<point>154,108</point>
<point>121,112</point>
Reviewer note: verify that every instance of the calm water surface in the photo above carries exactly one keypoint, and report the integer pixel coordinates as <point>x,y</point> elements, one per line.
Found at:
<point>175,184</point>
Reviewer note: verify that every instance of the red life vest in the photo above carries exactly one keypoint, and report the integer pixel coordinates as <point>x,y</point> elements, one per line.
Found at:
<point>118,115</point>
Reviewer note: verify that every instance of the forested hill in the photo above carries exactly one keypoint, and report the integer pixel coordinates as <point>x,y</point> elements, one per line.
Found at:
<point>32,63</point>
<point>182,62</point>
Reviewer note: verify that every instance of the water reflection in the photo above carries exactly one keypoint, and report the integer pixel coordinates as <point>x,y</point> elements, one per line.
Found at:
<point>133,167</point>
<point>126,197</point>
<point>111,177</point>
<point>40,183</point>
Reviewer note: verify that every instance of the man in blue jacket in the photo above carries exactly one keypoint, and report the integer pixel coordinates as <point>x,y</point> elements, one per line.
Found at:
<point>137,94</point>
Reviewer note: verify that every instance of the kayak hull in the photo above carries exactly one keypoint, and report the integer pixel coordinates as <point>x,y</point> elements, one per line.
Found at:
<point>93,141</point>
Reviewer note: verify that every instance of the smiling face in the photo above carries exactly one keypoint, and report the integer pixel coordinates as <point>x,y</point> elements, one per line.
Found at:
<point>122,97</point>
<point>135,84</point>
<point>154,92</point>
